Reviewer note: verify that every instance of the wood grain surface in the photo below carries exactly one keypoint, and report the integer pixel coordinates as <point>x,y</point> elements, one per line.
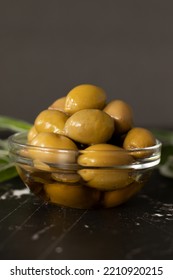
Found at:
<point>140,229</point>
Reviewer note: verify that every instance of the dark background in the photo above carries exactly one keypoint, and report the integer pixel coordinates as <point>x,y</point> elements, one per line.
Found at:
<point>126,47</point>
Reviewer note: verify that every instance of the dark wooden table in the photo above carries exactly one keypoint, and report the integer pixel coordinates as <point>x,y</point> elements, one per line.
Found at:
<point>140,229</point>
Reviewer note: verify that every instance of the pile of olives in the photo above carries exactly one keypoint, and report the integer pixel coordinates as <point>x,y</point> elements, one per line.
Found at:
<point>84,121</point>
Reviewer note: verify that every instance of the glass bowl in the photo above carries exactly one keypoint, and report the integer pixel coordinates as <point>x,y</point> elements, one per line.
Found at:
<point>83,179</point>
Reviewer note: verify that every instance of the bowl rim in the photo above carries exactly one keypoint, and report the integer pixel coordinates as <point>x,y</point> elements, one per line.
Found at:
<point>13,140</point>
<point>140,162</point>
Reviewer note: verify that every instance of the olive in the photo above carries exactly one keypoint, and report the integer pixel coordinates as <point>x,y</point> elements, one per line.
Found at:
<point>43,149</point>
<point>122,114</point>
<point>66,176</point>
<point>41,165</point>
<point>31,133</point>
<point>75,196</point>
<point>117,197</point>
<point>85,96</point>
<point>105,155</point>
<point>58,104</point>
<point>106,179</point>
<point>139,138</point>
<point>50,121</point>
<point>89,126</point>
<point>53,140</point>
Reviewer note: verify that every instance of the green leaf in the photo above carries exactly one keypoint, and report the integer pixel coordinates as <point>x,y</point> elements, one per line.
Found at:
<point>166,163</point>
<point>4,154</point>
<point>166,169</point>
<point>7,168</point>
<point>167,150</point>
<point>16,125</point>
<point>4,160</point>
<point>7,172</point>
<point>165,136</point>
<point>4,144</point>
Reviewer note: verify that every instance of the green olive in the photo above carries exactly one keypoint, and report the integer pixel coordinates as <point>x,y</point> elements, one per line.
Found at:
<point>75,196</point>
<point>31,133</point>
<point>89,126</point>
<point>58,104</point>
<point>139,138</point>
<point>66,176</point>
<point>50,121</point>
<point>117,197</point>
<point>105,155</point>
<point>42,153</point>
<point>85,96</point>
<point>53,140</point>
<point>40,164</point>
<point>122,114</point>
<point>106,179</point>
